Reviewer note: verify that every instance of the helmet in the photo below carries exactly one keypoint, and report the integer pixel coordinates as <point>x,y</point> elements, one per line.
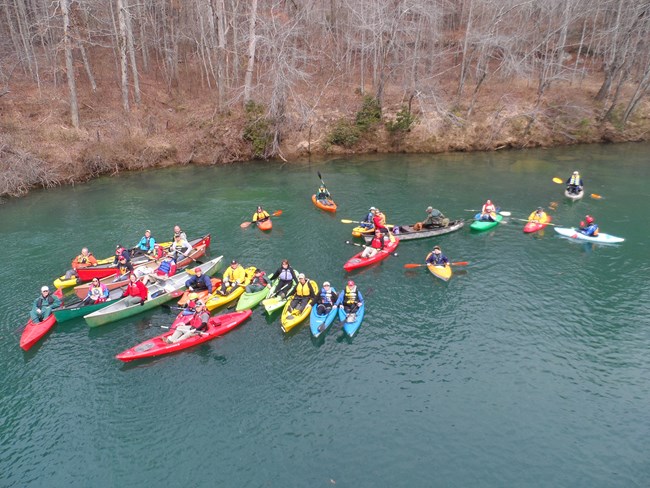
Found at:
<point>193,296</point>
<point>589,219</point>
<point>351,283</point>
<point>234,261</point>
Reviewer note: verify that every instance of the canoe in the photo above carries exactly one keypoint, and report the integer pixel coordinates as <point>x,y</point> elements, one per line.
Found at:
<point>319,323</point>
<point>351,327</point>
<point>35,330</point>
<point>574,196</point>
<point>199,247</point>
<point>480,225</point>
<point>357,261</point>
<point>576,234</point>
<point>442,272</point>
<point>104,270</point>
<point>535,226</point>
<point>75,310</point>
<point>219,325</point>
<point>275,302</point>
<point>289,320</point>
<point>324,204</point>
<point>265,224</point>
<point>407,232</point>
<point>251,300</point>
<point>159,293</point>
<point>216,300</point>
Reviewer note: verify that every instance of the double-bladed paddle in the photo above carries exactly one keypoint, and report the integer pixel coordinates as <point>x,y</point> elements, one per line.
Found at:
<point>416,265</point>
<point>380,250</point>
<point>244,225</point>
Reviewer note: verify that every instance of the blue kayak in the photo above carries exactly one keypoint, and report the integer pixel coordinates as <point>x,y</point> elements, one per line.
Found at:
<point>351,327</point>
<point>319,323</point>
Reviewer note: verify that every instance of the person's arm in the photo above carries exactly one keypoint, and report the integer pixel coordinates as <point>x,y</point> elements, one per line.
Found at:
<point>190,282</point>
<point>208,283</point>
<point>359,297</point>
<point>144,293</point>
<point>339,300</point>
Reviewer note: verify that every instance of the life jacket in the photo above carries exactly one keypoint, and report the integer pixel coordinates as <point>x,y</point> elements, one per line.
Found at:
<point>351,296</point>
<point>259,280</point>
<point>165,268</point>
<point>81,259</point>
<point>575,180</point>
<point>197,321</point>
<point>157,251</point>
<point>97,293</point>
<point>286,274</point>
<point>147,243</point>
<point>437,259</point>
<point>260,215</point>
<point>49,300</point>
<point>326,296</point>
<point>377,243</point>
<point>305,289</point>
<point>488,209</point>
<point>124,269</point>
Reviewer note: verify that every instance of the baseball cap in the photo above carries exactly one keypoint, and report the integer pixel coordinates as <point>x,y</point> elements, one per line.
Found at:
<point>373,208</point>
<point>301,276</point>
<point>45,288</point>
<point>326,283</point>
<point>429,209</point>
<point>350,283</point>
<point>234,261</point>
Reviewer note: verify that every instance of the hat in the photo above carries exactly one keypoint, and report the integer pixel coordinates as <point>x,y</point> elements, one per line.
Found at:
<point>575,173</point>
<point>122,257</point>
<point>191,304</point>
<point>429,209</point>
<point>198,270</point>
<point>436,247</point>
<point>540,208</point>
<point>45,288</point>
<point>199,303</point>
<point>301,276</point>
<point>372,208</point>
<point>351,283</point>
<point>234,261</point>
<point>193,296</point>
<point>326,283</point>
<point>147,231</point>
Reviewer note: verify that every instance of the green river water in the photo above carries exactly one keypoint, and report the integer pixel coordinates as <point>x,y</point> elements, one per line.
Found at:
<point>531,367</point>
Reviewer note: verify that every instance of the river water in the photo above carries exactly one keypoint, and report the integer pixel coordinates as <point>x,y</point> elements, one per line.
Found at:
<point>529,368</point>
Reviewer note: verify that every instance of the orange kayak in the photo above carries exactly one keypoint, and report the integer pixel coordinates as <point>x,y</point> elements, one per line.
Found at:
<point>328,204</point>
<point>265,224</point>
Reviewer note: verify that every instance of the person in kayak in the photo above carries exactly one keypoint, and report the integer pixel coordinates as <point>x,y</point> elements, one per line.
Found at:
<point>136,292</point>
<point>199,281</point>
<point>83,260</point>
<point>306,292</point>
<point>124,269</point>
<point>366,222</point>
<point>180,247</point>
<point>488,212</point>
<point>574,183</point>
<point>351,299</point>
<point>260,215</point>
<point>379,221</point>
<point>235,275</point>
<point>286,276</point>
<point>538,215</point>
<point>196,325</point>
<point>119,252</point>
<point>323,193</point>
<point>588,227</point>
<point>376,245</point>
<point>97,293</point>
<point>436,257</point>
<point>147,244</point>
<point>43,305</point>
<point>166,269</point>
<point>326,299</point>
<point>258,283</point>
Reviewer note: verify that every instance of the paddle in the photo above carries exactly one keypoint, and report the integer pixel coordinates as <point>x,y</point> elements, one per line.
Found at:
<point>503,213</point>
<point>244,225</point>
<point>596,196</point>
<point>348,221</point>
<point>198,332</point>
<point>545,223</point>
<point>361,245</point>
<point>557,180</point>
<point>415,265</point>
<point>321,180</point>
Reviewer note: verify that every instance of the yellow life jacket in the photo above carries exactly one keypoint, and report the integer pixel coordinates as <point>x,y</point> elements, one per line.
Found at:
<point>575,180</point>
<point>260,215</point>
<point>237,274</point>
<point>350,295</point>
<point>305,289</point>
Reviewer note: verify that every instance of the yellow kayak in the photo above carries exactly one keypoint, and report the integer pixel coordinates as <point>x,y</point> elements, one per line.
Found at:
<point>363,231</point>
<point>290,320</point>
<point>216,300</point>
<point>442,272</point>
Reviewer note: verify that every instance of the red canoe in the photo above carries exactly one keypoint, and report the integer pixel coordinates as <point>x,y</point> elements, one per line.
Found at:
<point>357,261</point>
<point>35,330</point>
<point>328,205</point>
<point>218,325</point>
<point>535,226</point>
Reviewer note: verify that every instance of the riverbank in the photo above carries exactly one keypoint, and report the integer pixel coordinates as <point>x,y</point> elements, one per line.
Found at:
<point>38,149</point>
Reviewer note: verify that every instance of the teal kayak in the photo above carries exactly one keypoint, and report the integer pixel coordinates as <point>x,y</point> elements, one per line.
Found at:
<point>319,323</point>
<point>250,300</point>
<point>480,225</point>
<point>352,322</point>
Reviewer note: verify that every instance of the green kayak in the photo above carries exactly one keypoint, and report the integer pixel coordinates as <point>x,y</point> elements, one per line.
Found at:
<point>480,225</point>
<point>251,300</point>
<point>275,302</point>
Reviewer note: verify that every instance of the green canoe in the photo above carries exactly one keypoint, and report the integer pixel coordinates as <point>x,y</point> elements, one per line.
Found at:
<point>69,312</point>
<point>485,224</point>
<point>159,293</point>
<point>251,300</point>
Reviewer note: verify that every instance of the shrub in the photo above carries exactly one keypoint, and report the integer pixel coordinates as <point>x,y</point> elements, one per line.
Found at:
<point>344,134</point>
<point>370,113</point>
<point>403,122</point>
<point>257,129</point>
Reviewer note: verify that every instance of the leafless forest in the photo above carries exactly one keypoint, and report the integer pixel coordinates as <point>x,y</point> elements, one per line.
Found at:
<point>94,86</point>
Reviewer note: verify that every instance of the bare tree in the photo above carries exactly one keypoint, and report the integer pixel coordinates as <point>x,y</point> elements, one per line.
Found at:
<point>72,86</point>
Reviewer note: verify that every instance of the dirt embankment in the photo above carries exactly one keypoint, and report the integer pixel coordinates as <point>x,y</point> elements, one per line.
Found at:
<point>38,148</point>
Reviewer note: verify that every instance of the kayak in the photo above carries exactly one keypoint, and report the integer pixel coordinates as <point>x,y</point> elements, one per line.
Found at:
<point>535,226</point>
<point>75,310</point>
<point>576,234</point>
<point>251,300</point>
<point>62,283</point>
<point>350,327</point>
<point>290,320</point>
<point>480,225</point>
<point>104,270</point>
<point>574,196</point>
<point>265,224</point>
<point>217,300</point>
<point>35,330</point>
<point>275,302</point>
<point>357,261</point>
<point>408,232</point>
<point>442,272</point>
<point>319,323</point>
<point>217,326</point>
<point>326,204</point>
<point>201,295</point>
<point>199,247</point>
<point>159,293</point>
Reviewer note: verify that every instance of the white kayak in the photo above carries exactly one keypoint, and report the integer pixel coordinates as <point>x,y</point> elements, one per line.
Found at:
<point>576,234</point>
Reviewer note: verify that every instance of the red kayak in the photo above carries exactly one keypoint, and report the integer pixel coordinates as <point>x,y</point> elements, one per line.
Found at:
<point>35,330</point>
<point>357,261</point>
<point>219,325</point>
<point>535,226</point>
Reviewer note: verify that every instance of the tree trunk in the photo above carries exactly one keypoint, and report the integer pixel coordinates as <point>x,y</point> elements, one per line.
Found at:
<point>72,86</point>
<point>124,66</point>
<point>252,40</point>
<point>131,50</point>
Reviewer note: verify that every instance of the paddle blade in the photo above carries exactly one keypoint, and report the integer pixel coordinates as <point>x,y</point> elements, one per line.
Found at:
<point>460,263</point>
<point>413,265</point>
<point>319,175</point>
<point>557,180</point>
<point>277,213</point>
<point>596,196</point>
<point>243,225</point>
<point>506,214</point>
<point>346,221</point>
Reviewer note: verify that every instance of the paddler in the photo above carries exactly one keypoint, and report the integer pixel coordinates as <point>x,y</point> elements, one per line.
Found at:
<point>136,292</point>
<point>43,305</point>
<point>435,218</point>
<point>323,193</point>
<point>286,276</point>
<point>197,324</point>
<point>488,212</point>
<point>351,299</point>
<point>178,232</point>
<point>147,244</point>
<point>306,292</point>
<point>83,260</point>
<point>588,227</point>
<point>574,183</point>
<point>166,269</point>
<point>436,257</point>
<point>180,247</point>
<point>121,251</point>
<point>235,275</point>
<point>379,221</point>
<point>199,281</point>
<point>376,245</point>
<point>258,283</point>
<point>124,269</point>
<point>366,222</point>
<point>97,293</point>
<point>260,214</point>
<point>538,215</point>
<point>327,298</point>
